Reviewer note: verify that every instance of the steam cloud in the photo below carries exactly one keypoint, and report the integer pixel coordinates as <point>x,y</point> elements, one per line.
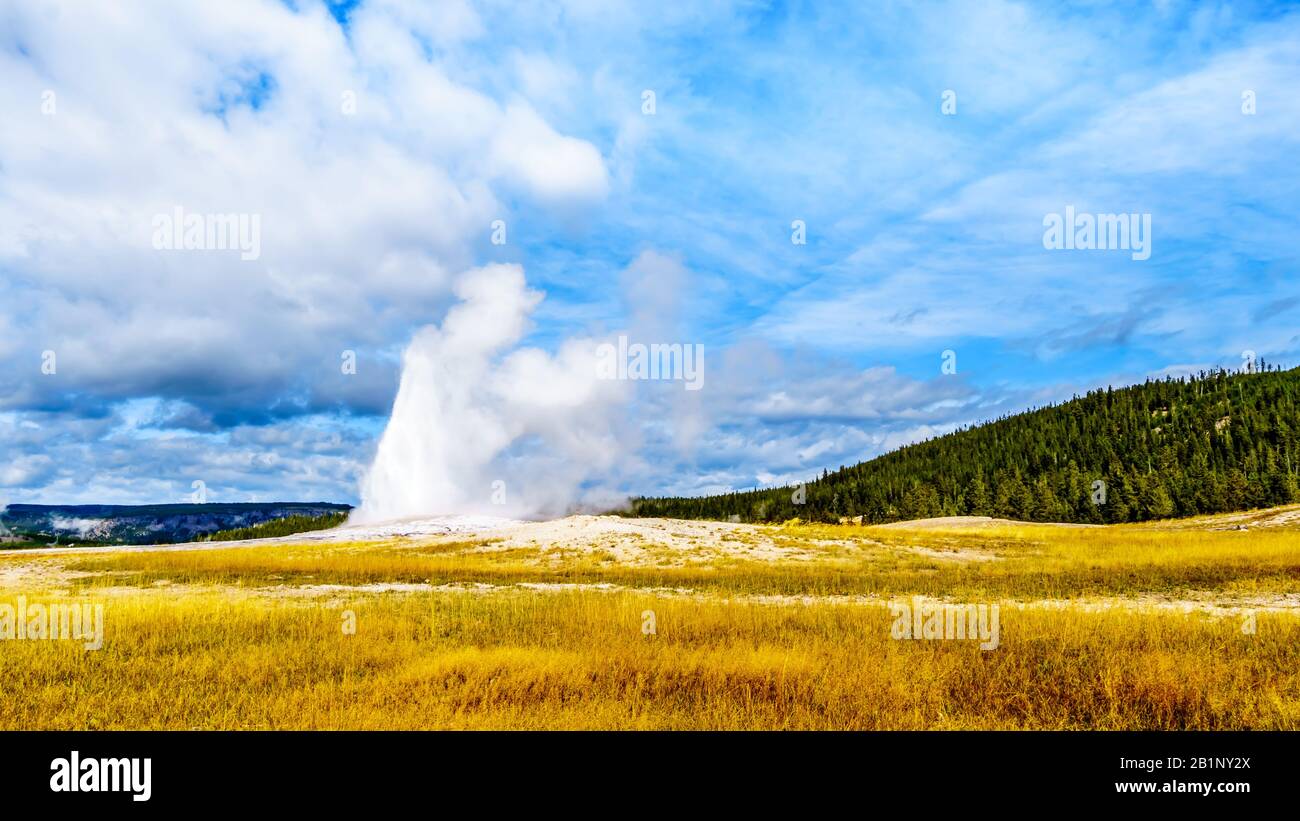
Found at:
<point>480,426</point>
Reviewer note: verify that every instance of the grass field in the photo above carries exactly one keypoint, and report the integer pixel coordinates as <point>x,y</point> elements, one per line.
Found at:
<point>1174,626</point>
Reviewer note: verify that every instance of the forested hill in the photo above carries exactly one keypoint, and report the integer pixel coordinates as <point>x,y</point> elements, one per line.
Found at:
<point>1216,442</point>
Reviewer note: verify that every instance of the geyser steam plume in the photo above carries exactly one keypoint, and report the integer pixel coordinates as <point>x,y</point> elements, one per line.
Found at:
<point>479,426</point>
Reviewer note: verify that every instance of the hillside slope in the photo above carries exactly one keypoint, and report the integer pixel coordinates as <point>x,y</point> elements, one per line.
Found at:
<point>1212,443</point>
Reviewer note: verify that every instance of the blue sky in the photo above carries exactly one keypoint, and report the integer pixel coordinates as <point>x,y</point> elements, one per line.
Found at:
<point>924,229</point>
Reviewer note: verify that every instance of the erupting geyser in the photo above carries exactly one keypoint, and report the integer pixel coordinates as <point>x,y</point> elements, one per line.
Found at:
<point>481,427</point>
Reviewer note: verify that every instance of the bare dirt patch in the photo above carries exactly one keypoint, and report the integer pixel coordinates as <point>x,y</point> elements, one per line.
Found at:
<point>649,541</point>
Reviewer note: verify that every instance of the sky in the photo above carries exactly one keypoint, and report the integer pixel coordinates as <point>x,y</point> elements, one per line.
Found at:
<point>843,205</point>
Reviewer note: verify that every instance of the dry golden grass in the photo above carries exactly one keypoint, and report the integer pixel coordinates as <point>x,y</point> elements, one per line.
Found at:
<point>1029,562</point>
<point>242,638</point>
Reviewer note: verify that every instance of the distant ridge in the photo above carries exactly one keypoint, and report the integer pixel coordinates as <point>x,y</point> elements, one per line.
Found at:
<point>178,508</point>
<point>1213,443</point>
<point>148,524</point>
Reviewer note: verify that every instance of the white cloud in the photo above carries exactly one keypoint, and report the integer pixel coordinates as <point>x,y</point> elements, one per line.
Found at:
<point>364,217</point>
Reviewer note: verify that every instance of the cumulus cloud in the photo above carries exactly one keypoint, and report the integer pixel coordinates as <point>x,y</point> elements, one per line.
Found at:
<point>372,172</point>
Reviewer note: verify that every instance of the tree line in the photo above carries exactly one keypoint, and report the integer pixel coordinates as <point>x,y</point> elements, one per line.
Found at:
<point>284,526</point>
<point>1214,442</point>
